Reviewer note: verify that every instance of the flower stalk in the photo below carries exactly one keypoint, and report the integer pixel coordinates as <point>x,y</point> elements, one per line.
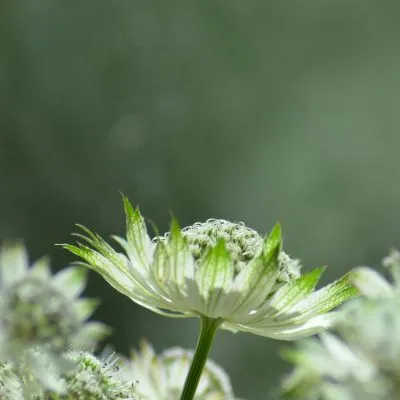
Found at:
<point>208,329</point>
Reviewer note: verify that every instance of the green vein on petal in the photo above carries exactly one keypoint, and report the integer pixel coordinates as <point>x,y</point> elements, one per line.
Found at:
<point>259,277</point>
<point>182,267</point>
<point>214,270</point>
<point>293,292</point>
<point>326,298</point>
<point>139,243</point>
<point>221,268</point>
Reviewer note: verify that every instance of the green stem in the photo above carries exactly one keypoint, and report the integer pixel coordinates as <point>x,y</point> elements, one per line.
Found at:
<point>208,329</point>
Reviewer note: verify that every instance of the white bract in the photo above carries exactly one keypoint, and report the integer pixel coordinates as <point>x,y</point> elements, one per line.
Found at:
<point>219,270</point>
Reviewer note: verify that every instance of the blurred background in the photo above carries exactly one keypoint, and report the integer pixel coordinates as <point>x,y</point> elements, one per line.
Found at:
<point>246,110</point>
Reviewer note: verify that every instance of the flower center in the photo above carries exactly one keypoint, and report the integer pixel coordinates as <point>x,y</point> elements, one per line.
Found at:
<point>242,243</point>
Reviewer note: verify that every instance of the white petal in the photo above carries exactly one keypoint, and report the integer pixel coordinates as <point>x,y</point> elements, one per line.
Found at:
<point>139,246</point>
<point>70,281</point>
<point>350,362</point>
<point>370,283</point>
<point>85,307</point>
<point>181,266</point>
<point>286,297</point>
<point>90,334</point>
<point>214,279</point>
<point>323,300</point>
<point>13,263</point>
<point>41,269</point>
<point>255,282</point>
<point>289,331</point>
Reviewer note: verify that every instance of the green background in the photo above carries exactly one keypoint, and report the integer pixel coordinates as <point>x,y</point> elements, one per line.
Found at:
<point>258,111</point>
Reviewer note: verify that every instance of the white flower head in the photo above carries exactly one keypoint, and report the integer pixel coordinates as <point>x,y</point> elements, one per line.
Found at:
<point>161,377</point>
<point>41,316</point>
<point>363,360</point>
<point>38,309</point>
<point>218,270</point>
<point>331,369</point>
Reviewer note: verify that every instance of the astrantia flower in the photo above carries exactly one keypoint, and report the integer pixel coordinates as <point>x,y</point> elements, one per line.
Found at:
<point>161,377</point>
<point>217,269</point>
<point>222,272</point>
<point>362,361</point>
<point>40,317</point>
<point>331,369</point>
<point>37,308</point>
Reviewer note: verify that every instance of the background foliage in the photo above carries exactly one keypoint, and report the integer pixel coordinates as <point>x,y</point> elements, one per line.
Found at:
<point>245,110</point>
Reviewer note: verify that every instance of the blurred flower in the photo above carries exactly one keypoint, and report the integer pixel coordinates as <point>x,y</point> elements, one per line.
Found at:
<point>162,377</point>
<point>219,270</point>
<point>40,309</point>
<point>41,316</point>
<point>363,361</point>
<point>331,369</point>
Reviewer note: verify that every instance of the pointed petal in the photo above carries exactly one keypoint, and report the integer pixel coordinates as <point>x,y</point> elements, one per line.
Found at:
<point>116,274</point>
<point>85,307</point>
<point>139,246</point>
<point>41,269</point>
<point>163,270</point>
<point>13,263</point>
<point>274,241</point>
<point>290,331</point>
<point>119,277</point>
<point>287,296</point>
<point>392,262</point>
<point>324,299</point>
<point>255,282</point>
<point>91,333</point>
<point>113,266</point>
<point>100,245</point>
<point>214,278</point>
<point>182,266</point>
<point>70,281</point>
<point>370,283</point>
<point>350,363</point>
